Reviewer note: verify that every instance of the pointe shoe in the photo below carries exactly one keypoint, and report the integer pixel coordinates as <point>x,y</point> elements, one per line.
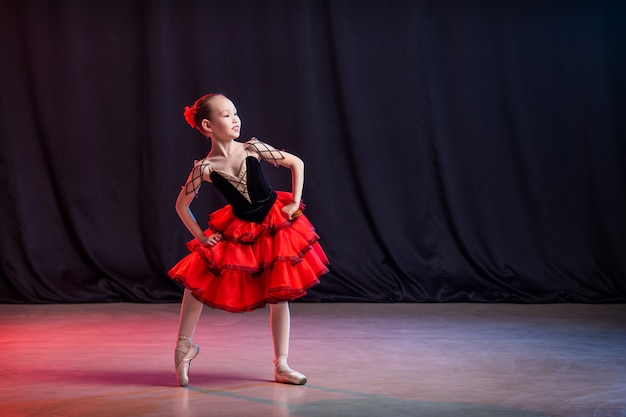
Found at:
<point>183,357</point>
<point>285,375</point>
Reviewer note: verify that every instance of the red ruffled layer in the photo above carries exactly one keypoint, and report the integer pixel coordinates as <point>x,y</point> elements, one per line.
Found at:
<point>254,264</point>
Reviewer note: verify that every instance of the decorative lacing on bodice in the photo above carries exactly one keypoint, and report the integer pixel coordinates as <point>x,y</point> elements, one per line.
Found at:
<point>240,181</point>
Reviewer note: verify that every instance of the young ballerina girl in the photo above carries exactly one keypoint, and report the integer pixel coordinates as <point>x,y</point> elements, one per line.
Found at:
<point>259,249</point>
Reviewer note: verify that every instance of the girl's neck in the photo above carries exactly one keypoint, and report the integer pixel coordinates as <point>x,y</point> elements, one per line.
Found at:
<point>222,148</point>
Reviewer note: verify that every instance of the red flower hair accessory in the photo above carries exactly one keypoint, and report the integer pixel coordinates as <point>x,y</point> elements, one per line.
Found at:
<point>190,116</point>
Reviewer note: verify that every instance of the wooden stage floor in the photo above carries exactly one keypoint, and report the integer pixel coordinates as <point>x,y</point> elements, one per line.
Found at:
<point>429,360</point>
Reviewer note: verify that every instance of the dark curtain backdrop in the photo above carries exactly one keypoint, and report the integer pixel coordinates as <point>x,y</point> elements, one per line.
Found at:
<point>455,150</point>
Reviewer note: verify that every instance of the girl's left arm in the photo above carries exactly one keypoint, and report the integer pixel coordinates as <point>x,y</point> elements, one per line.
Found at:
<point>282,158</point>
<point>296,165</point>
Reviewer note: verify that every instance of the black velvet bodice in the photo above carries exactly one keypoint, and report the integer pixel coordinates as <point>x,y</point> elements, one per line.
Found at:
<point>262,196</point>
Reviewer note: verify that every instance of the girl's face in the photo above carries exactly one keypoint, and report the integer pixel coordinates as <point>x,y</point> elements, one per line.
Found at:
<point>224,123</point>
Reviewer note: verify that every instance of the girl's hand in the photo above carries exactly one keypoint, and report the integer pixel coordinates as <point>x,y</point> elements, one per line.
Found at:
<point>213,239</point>
<point>292,210</point>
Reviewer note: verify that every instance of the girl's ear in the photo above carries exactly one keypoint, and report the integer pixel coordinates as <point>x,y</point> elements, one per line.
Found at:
<point>206,125</point>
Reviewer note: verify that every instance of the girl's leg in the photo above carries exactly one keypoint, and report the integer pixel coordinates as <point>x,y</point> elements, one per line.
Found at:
<point>280,323</point>
<point>185,351</point>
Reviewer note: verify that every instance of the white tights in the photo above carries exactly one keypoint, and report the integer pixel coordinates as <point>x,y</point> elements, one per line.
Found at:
<point>190,310</point>
<point>280,323</point>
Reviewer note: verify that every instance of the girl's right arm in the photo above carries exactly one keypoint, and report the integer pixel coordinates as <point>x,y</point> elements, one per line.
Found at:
<point>183,203</point>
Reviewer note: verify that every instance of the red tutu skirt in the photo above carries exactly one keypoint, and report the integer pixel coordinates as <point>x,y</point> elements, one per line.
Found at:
<point>254,264</point>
